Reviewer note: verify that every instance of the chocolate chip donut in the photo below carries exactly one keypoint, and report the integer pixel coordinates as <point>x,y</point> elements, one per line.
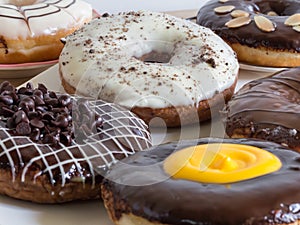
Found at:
<point>262,32</point>
<point>155,64</point>
<point>267,108</point>
<point>55,148</point>
<point>137,190</point>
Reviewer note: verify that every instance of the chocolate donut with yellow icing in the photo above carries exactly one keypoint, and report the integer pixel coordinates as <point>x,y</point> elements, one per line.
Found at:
<point>262,32</point>
<point>31,30</point>
<point>267,108</point>
<point>138,190</point>
<point>55,148</point>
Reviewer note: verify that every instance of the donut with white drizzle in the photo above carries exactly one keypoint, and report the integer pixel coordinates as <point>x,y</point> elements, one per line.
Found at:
<point>59,146</point>
<point>31,30</point>
<point>153,63</point>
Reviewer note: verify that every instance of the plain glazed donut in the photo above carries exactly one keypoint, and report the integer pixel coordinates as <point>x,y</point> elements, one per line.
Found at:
<point>155,64</point>
<point>267,108</point>
<point>56,148</point>
<point>262,32</point>
<point>137,190</point>
<point>31,30</point>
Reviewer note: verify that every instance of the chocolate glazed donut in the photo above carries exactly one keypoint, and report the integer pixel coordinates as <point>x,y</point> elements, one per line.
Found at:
<point>60,146</point>
<point>264,36</point>
<point>267,108</point>
<point>270,199</point>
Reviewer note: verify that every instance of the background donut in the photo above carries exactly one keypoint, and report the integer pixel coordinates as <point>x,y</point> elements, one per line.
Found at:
<point>38,27</point>
<point>259,31</point>
<point>267,108</point>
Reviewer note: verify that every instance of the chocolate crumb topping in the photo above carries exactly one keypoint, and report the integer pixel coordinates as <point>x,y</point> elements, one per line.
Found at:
<point>46,117</point>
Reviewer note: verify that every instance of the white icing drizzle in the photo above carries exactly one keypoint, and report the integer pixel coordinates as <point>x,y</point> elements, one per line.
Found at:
<point>100,60</point>
<point>96,152</point>
<point>41,18</point>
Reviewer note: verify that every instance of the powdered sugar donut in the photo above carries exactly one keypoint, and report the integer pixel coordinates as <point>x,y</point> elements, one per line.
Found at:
<point>31,30</point>
<point>153,63</point>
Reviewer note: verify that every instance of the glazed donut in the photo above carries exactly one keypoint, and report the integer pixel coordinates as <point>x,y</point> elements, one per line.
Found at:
<point>267,108</point>
<point>261,32</point>
<point>60,146</point>
<point>139,190</point>
<point>155,64</point>
<point>38,26</point>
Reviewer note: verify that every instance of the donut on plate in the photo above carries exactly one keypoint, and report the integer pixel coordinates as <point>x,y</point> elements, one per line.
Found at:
<point>267,108</point>
<point>55,148</point>
<point>31,30</point>
<point>141,190</point>
<point>155,64</point>
<point>262,32</point>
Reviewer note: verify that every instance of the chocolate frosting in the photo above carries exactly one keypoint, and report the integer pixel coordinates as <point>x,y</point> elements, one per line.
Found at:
<point>88,154</point>
<point>269,107</point>
<point>283,38</point>
<point>269,199</point>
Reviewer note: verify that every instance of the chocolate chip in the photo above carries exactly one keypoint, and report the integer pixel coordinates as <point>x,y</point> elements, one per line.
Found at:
<point>61,121</point>
<point>10,124</point>
<point>23,128</point>
<point>46,117</point>
<point>36,122</point>
<point>42,88</point>
<point>49,139</point>
<point>35,134</point>
<point>20,116</point>
<point>39,93</point>
<point>29,86</point>
<point>65,138</point>
<point>51,101</point>
<point>27,103</point>
<point>64,100</point>
<point>6,111</point>
<point>8,100</point>
<point>38,100</point>
<point>6,86</point>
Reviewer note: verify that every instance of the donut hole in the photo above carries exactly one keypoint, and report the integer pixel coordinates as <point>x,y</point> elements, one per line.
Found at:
<point>281,8</point>
<point>156,57</point>
<point>153,51</point>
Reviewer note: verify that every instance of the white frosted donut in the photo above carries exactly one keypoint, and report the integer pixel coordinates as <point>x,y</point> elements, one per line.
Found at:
<point>153,63</point>
<point>31,30</point>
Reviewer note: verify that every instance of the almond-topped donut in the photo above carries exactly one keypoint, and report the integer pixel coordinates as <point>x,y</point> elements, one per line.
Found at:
<point>31,30</point>
<point>56,148</point>
<point>155,64</point>
<point>262,32</point>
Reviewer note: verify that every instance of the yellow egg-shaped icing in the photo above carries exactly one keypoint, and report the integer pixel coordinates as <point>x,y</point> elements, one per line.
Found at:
<point>221,163</point>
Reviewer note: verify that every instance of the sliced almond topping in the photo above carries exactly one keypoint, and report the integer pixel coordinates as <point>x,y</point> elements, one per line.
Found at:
<point>238,22</point>
<point>293,20</point>
<point>239,13</point>
<point>272,13</point>
<point>224,9</point>
<point>296,28</point>
<point>223,1</point>
<point>264,24</point>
